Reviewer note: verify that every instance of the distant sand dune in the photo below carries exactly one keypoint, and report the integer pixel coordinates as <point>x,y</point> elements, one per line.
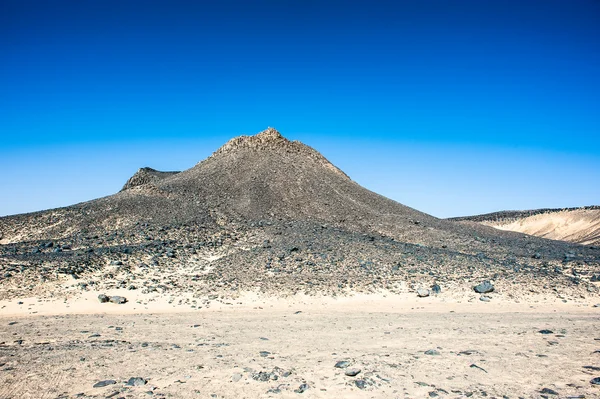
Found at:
<point>578,225</point>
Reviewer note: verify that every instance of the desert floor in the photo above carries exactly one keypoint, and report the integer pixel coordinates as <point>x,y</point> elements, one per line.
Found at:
<point>280,348</point>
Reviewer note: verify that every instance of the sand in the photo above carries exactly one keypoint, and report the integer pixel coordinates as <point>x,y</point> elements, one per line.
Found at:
<point>482,349</point>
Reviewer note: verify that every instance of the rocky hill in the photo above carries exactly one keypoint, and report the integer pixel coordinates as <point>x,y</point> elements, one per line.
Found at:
<point>268,214</point>
<point>578,225</point>
<point>145,176</point>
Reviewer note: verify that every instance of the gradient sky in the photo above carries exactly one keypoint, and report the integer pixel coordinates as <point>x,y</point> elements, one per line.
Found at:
<point>450,107</point>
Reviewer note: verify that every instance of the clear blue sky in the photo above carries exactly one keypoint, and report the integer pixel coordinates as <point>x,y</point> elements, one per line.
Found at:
<point>451,107</point>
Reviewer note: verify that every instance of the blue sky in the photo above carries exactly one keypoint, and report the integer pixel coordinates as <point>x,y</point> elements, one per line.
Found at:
<point>451,107</point>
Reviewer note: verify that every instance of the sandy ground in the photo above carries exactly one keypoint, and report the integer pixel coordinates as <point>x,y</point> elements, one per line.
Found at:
<point>256,347</point>
<point>581,226</point>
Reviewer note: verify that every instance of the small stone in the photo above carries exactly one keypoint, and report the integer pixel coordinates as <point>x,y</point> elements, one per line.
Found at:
<point>549,391</point>
<point>352,372</point>
<point>118,299</point>
<point>360,384</point>
<point>595,381</point>
<point>103,298</point>
<point>236,377</point>
<point>104,383</point>
<point>264,353</point>
<point>342,364</point>
<point>432,352</point>
<point>485,298</point>
<point>136,382</point>
<point>484,287</point>
<point>546,332</point>
<point>436,289</point>
<point>422,293</point>
<point>302,388</point>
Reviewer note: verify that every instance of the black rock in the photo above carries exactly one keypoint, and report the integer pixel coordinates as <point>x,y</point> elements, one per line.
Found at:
<point>361,384</point>
<point>301,388</point>
<point>342,364</point>
<point>264,353</point>
<point>103,298</point>
<point>118,299</point>
<point>595,381</point>
<point>436,289</point>
<point>136,382</point>
<point>545,332</point>
<point>549,391</point>
<point>484,287</point>
<point>104,383</point>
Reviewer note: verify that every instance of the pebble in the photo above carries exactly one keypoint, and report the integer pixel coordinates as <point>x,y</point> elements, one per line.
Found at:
<point>485,298</point>
<point>104,383</point>
<point>236,377</point>
<point>118,299</point>
<point>595,381</point>
<point>432,352</point>
<point>136,382</point>
<point>422,293</point>
<point>352,372</point>
<point>361,384</point>
<point>342,364</point>
<point>302,388</point>
<point>545,332</point>
<point>549,391</point>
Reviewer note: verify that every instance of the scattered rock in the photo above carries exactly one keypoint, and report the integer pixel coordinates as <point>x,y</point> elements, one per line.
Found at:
<point>474,366</point>
<point>264,353</point>
<point>485,298</point>
<point>360,384</point>
<point>549,391</point>
<point>103,298</point>
<point>546,332</point>
<point>595,381</point>
<point>118,299</point>
<point>422,293</point>
<point>436,289</point>
<point>104,383</point>
<point>342,364</point>
<point>136,382</point>
<point>236,377</point>
<point>484,287</point>
<point>302,388</point>
<point>352,372</point>
<point>432,352</point>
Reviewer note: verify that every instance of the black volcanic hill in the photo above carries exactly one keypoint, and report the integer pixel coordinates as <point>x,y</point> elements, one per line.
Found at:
<point>267,213</point>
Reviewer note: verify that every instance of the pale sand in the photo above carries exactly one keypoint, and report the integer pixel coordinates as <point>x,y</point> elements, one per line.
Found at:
<point>383,335</point>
